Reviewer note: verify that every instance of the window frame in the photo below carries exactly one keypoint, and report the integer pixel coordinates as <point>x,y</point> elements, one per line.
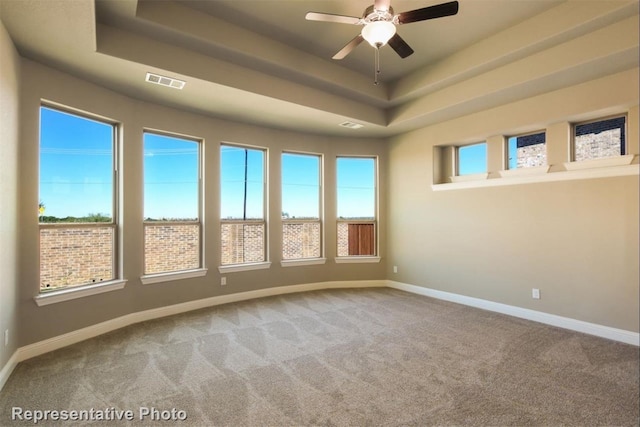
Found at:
<point>200,270</point>
<point>572,141</point>
<point>519,135</point>
<point>320,221</point>
<point>265,263</point>
<point>64,293</point>
<point>375,221</point>
<point>457,160</point>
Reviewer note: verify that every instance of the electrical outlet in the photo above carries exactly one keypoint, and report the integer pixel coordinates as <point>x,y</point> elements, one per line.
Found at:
<point>6,337</point>
<point>223,281</point>
<point>395,268</point>
<point>535,293</point>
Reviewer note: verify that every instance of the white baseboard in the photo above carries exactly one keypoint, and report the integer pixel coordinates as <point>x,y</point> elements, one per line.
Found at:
<point>6,370</point>
<point>51,344</point>
<point>615,334</point>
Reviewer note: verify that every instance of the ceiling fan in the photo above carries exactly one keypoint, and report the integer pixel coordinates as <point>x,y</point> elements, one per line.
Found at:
<point>380,23</point>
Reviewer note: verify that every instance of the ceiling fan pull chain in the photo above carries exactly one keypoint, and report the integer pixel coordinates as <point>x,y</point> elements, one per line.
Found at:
<point>376,65</point>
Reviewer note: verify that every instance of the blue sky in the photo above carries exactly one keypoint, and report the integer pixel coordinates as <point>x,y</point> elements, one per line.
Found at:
<point>356,187</point>
<point>301,185</point>
<point>232,179</point>
<point>170,177</point>
<point>76,165</point>
<point>76,176</point>
<point>472,159</point>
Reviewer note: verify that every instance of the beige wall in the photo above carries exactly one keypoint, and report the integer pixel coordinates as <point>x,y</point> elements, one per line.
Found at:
<point>577,241</point>
<point>9,139</point>
<point>39,323</point>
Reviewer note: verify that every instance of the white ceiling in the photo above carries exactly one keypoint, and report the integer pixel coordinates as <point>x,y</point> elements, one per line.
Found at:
<point>260,61</point>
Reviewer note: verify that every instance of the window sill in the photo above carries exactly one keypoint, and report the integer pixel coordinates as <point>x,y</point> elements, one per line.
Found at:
<point>600,163</point>
<point>512,173</point>
<point>78,292</point>
<point>357,259</point>
<point>171,276</point>
<point>302,262</point>
<point>471,177</point>
<point>244,267</point>
<point>496,180</point>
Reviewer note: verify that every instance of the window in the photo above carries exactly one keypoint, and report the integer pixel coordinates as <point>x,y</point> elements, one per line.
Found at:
<point>301,206</point>
<point>356,182</point>
<point>76,212</point>
<point>172,226</point>
<point>526,151</point>
<point>599,139</point>
<point>242,205</point>
<point>472,159</point>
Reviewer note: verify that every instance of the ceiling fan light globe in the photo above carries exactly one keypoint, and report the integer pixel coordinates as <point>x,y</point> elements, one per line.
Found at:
<point>378,33</point>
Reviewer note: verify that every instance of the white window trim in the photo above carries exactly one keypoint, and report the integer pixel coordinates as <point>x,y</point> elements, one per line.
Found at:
<point>495,180</point>
<point>294,262</point>
<point>101,287</point>
<point>200,210</point>
<point>233,268</point>
<point>374,221</point>
<point>302,262</point>
<point>357,259</point>
<point>572,144</point>
<point>149,279</point>
<point>68,294</point>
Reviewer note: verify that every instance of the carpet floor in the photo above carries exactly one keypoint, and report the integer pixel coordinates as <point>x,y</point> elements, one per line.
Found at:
<point>347,357</point>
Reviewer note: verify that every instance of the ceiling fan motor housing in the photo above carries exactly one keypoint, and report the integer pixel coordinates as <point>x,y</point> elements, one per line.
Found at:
<point>372,15</point>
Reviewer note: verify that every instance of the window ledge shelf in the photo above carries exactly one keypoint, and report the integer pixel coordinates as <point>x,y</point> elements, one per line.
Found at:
<point>357,259</point>
<point>78,292</point>
<point>512,173</point>
<point>467,178</point>
<point>302,262</point>
<point>600,163</point>
<point>171,276</point>
<point>558,175</point>
<point>244,267</point>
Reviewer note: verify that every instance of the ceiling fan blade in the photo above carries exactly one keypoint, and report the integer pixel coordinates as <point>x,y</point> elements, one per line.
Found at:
<point>401,47</point>
<point>382,4</point>
<point>430,12</point>
<point>349,47</point>
<point>328,17</point>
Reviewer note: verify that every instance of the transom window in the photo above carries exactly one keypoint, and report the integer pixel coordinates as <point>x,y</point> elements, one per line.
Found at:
<point>301,206</point>
<point>357,206</point>
<point>172,226</point>
<point>77,190</point>
<point>526,151</point>
<point>471,159</point>
<point>242,178</point>
<point>599,139</point>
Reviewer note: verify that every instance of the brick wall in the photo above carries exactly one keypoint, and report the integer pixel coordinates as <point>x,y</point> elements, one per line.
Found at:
<point>242,243</point>
<point>343,239</point>
<point>171,247</point>
<point>598,145</point>
<point>80,255</point>
<point>531,156</point>
<point>300,240</point>
<point>75,256</point>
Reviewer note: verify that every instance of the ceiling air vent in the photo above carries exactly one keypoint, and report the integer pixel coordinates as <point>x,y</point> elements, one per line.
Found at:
<point>351,125</point>
<point>165,81</point>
